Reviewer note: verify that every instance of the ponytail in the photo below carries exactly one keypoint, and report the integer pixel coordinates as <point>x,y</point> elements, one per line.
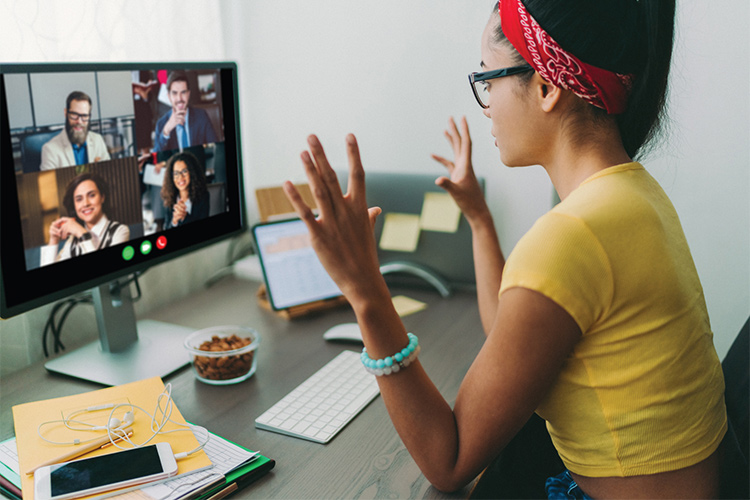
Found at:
<point>643,121</point>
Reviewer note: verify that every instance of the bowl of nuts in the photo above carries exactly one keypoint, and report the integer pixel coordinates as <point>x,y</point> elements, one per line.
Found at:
<point>223,354</point>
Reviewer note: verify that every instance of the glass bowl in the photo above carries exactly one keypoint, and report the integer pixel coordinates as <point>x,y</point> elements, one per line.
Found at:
<point>223,355</point>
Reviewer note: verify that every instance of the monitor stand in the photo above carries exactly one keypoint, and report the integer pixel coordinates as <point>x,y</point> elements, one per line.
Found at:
<point>127,350</point>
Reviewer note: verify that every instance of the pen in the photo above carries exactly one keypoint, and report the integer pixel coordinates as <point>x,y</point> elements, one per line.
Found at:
<point>83,449</point>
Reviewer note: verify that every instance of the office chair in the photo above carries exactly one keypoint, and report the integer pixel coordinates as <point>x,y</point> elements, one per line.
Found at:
<point>530,458</point>
<point>31,150</point>
<point>523,466</point>
<point>735,476</point>
<point>217,198</point>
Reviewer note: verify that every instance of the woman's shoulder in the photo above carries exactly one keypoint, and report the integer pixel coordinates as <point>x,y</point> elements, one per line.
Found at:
<point>618,196</point>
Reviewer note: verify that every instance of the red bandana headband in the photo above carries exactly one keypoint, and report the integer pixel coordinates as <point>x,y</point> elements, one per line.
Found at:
<point>602,88</point>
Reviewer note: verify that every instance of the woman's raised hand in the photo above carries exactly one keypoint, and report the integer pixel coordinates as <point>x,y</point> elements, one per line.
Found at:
<point>461,181</point>
<point>179,212</point>
<point>342,233</point>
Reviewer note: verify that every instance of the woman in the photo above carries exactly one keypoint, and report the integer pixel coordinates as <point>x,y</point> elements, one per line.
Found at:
<point>89,228</point>
<point>184,191</point>
<point>597,320</point>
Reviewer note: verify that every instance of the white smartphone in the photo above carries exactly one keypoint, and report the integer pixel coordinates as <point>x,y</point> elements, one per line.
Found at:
<point>105,472</point>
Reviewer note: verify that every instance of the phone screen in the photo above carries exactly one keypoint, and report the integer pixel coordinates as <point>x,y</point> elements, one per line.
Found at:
<point>103,470</point>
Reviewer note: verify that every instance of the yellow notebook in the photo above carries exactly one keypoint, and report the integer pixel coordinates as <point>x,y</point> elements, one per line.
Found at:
<point>33,450</point>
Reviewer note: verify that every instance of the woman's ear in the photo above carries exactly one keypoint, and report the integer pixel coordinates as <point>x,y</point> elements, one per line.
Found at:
<point>546,95</point>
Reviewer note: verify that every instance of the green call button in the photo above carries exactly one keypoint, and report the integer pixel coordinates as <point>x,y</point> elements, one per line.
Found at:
<point>128,252</point>
<point>146,247</point>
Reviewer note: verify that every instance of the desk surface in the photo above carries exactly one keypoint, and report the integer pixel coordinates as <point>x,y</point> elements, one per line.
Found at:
<point>365,460</point>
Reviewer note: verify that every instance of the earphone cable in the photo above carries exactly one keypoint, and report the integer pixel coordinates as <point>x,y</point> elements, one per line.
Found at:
<point>118,433</point>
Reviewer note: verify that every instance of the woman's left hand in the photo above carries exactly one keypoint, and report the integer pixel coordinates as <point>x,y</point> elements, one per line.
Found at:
<point>342,233</point>
<point>461,182</point>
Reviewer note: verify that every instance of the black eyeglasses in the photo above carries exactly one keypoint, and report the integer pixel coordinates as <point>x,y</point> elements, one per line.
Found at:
<point>78,116</point>
<point>479,85</point>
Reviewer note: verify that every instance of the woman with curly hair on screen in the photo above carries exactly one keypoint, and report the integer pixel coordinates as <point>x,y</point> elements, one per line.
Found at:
<point>184,190</point>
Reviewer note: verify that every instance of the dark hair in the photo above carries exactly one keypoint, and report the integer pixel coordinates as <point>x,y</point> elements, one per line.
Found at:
<point>198,189</point>
<point>101,185</point>
<point>624,36</point>
<point>177,76</point>
<point>77,95</point>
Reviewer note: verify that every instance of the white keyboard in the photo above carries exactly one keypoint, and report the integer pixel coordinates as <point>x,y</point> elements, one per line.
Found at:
<point>323,404</point>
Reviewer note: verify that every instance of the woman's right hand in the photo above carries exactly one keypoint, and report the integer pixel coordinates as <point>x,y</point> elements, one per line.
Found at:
<point>56,231</point>
<point>342,234</point>
<point>461,183</point>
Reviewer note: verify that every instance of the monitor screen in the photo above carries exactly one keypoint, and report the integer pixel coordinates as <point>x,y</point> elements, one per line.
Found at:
<point>110,168</point>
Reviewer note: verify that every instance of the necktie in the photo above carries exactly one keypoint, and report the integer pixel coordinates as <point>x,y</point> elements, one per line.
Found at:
<point>184,143</point>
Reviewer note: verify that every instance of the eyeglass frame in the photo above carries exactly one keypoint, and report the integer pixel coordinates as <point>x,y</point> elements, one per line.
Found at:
<point>177,174</point>
<point>85,118</point>
<point>483,76</point>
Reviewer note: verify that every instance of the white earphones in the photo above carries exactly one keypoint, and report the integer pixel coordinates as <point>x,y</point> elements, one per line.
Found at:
<point>115,424</point>
<point>118,429</point>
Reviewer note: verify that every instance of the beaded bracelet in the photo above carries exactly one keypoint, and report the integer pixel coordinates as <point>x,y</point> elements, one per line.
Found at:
<point>392,364</point>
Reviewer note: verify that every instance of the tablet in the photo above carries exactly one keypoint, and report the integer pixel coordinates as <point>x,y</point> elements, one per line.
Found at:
<point>291,269</point>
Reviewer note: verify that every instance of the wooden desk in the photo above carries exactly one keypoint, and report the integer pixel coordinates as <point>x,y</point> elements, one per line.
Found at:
<point>365,460</point>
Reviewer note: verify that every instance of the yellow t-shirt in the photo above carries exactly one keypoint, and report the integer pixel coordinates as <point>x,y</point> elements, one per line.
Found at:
<point>643,390</point>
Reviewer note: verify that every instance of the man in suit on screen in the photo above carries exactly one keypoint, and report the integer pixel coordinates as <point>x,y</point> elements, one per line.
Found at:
<point>183,125</point>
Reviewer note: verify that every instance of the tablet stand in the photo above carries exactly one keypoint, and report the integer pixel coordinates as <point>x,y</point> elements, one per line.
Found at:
<point>302,309</point>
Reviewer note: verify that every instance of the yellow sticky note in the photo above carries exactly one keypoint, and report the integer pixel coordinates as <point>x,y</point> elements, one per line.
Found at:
<point>400,232</point>
<point>405,305</point>
<point>439,213</point>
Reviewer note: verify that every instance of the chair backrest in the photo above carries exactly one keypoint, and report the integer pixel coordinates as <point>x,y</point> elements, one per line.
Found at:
<point>217,198</point>
<point>736,366</point>
<point>447,254</point>
<point>31,149</point>
<point>735,477</point>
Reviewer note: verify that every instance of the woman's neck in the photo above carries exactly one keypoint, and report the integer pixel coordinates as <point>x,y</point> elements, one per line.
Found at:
<point>184,195</point>
<point>90,227</point>
<point>573,160</point>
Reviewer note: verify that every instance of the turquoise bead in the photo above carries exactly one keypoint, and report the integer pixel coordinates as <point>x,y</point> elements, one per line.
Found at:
<point>390,364</point>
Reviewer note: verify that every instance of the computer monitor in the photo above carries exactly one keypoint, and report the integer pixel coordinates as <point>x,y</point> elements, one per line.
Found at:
<point>107,169</point>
